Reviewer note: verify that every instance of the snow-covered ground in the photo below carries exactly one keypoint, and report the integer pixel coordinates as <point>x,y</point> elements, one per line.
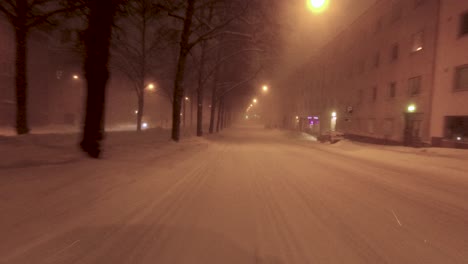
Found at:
<point>247,195</point>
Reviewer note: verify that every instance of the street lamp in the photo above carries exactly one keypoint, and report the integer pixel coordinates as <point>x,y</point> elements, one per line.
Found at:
<point>265,88</point>
<point>76,77</point>
<point>255,100</point>
<point>317,6</point>
<point>411,108</point>
<point>186,98</point>
<point>151,87</point>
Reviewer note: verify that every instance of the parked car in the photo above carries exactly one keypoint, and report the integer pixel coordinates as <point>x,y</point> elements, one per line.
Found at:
<point>330,136</point>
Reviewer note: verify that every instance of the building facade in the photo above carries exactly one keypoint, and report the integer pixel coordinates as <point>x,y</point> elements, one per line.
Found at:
<point>396,75</point>
<point>449,126</point>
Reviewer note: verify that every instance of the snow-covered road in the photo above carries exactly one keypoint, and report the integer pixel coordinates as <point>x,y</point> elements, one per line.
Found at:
<point>246,196</point>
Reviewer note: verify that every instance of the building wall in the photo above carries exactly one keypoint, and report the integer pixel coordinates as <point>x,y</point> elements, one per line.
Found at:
<point>344,72</point>
<point>452,52</point>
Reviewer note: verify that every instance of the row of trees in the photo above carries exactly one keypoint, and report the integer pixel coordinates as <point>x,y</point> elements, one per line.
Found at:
<point>220,44</point>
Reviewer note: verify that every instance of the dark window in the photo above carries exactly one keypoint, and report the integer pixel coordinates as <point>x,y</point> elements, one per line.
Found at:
<point>361,66</point>
<point>414,86</point>
<point>456,128</point>
<point>376,60</point>
<point>397,11</point>
<point>378,26</point>
<point>395,52</point>
<point>392,90</point>
<point>418,2</point>
<point>374,93</point>
<point>461,78</point>
<point>464,24</point>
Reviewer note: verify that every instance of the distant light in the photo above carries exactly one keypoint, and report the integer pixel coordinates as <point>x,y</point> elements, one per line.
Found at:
<point>459,138</point>
<point>265,88</point>
<point>297,117</point>
<point>412,108</point>
<point>150,86</point>
<point>186,98</point>
<point>136,112</point>
<point>246,117</point>
<point>76,77</point>
<point>419,48</point>
<point>333,114</point>
<point>251,105</point>
<point>309,117</point>
<point>255,100</point>
<point>144,125</point>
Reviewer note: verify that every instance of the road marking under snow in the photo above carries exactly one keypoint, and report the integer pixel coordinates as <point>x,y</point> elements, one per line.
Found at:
<point>396,218</point>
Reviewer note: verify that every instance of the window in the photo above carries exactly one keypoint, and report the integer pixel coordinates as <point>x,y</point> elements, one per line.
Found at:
<point>418,2</point>
<point>395,52</point>
<point>374,93</point>
<point>456,128</point>
<point>397,11</point>
<point>371,126</point>
<point>392,90</point>
<point>461,78</point>
<point>388,127</point>
<point>360,95</point>
<point>417,43</point>
<point>378,26</point>
<point>463,24</point>
<point>361,66</point>
<point>376,60</point>
<point>414,86</point>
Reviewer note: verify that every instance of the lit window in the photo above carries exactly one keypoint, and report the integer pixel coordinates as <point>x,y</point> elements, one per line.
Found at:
<point>464,24</point>
<point>414,86</point>
<point>417,44</point>
<point>461,78</point>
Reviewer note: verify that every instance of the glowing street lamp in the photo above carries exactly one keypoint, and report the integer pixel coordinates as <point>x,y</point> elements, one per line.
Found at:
<point>76,77</point>
<point>151,87</point>
<point>265,88</point>
<point>186,98</point>
<point>255,100</point>
<point>411,108</point>
<point>317,6</point>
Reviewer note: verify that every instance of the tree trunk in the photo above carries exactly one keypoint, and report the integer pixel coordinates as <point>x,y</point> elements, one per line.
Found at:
<point>21,34</point>
<point>97,42</point>
<point>220,112</point>
<point>200,91</point>
<point>21,81</point>
<point>141,109</point>
<point>223,116</point>
<point>180,72</point>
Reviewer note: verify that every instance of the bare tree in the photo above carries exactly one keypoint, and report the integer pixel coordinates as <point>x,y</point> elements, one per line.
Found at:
<point>135,48</point>
<point>23,16</point>
<point>97,44</point>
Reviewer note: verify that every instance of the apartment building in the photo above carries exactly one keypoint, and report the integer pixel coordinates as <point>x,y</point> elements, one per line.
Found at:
<point>449,125</point>
<point>396,75</point>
